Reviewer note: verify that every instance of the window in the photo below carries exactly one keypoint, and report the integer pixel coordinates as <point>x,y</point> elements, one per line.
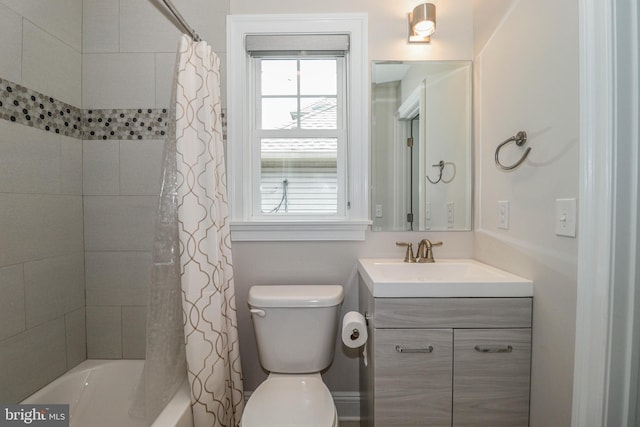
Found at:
<point>300,132</point>
<point>297,144</point>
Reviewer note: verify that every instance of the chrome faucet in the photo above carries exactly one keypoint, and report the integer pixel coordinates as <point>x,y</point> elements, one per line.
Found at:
<point>425,250</point>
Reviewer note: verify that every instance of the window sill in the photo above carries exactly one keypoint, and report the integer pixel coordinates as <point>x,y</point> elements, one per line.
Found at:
<point>298,230</point>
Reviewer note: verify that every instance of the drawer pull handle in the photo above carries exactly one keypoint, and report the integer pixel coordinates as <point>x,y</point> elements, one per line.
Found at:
<point>495,349</point>
<point>401,349</point>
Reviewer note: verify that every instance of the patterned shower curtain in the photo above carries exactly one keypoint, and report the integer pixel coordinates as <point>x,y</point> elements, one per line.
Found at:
<point>208,295</point>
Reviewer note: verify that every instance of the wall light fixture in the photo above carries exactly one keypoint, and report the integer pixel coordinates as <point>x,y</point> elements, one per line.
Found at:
<point>422,23</point>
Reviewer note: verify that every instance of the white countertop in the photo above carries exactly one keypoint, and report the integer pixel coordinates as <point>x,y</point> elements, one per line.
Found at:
<point>446,278</point>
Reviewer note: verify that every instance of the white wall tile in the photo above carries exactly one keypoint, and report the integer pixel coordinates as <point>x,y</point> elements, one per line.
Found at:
<point>101,168</point>
<point>117,278</point>
<point>62,18</point>
<point>53,287</point>
<point>51,66</point>
<point>165,70</point>
<point>140,167</point>
<point>31,360</point>
<point>119,223</point>
<point>144,28</point>
<point>104,332</point>
<point>30,159</point>
<point>10,45</point>
<point>70,166</point>
<point>100,23</point>
<point>118,80</point>
<point>12,314</point>
<point>33,227</point>
<point>134,332</point>
<point>76,334</point>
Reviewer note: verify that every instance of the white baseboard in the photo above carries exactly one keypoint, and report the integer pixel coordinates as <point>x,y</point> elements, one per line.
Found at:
<point>347,404</point>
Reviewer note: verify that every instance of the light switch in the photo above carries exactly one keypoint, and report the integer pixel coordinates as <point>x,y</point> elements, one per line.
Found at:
<point>378,211</point>
<point>565,217</point>
<point>503,214</point>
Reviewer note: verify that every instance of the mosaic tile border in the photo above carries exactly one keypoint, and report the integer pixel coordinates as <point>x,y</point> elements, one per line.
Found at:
<point>31,108</point>
<point>138,123</point>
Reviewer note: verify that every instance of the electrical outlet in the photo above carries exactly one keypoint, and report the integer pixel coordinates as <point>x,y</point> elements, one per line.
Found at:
<point>503,214</point>
<point>378,211</point>
<point>566,217</point>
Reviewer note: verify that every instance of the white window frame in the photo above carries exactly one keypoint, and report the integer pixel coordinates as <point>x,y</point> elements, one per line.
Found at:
<point>245,226</point>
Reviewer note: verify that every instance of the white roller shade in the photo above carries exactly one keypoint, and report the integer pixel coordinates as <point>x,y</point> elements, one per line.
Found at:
<point>274,44</point>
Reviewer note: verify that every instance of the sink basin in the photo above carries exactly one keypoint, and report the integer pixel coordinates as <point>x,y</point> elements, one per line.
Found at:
<point>393,278</point>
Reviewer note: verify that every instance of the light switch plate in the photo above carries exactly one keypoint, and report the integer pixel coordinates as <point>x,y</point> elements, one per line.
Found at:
<point>503,214</point>
<point>378,211</point>
<point>565,219</point>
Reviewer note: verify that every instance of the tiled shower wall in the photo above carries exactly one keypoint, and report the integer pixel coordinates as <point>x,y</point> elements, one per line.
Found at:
<point>84,91</point>
<point>42,304</point>
<point>129,51</point>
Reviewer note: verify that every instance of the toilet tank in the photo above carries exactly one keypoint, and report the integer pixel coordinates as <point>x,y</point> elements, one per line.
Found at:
<point>295,326</point>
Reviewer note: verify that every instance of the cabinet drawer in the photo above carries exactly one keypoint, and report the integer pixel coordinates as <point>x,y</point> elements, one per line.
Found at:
<point>452,313</point>
<point>491,377</point>
<point>413,371</point>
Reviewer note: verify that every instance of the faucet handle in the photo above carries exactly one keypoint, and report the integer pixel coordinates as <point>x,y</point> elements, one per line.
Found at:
<point>408,257</point>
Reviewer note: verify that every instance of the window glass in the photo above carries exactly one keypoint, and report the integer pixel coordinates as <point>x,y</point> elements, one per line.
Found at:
<point>298,175</point>
<point>314,85</point>
<point>279,113</point>
<point>318,77</point>
<point>299,136</point>
<point>279,77</point>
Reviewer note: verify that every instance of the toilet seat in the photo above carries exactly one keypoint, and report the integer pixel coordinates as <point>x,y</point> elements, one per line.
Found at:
<point>288,400</point>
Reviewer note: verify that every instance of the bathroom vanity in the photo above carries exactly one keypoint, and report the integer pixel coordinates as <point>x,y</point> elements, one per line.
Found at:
<point>441,351</point>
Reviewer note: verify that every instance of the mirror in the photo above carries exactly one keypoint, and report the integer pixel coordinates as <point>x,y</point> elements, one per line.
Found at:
<point>421,136</point>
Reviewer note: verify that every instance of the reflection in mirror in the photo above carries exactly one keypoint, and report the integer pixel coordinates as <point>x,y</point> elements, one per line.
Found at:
<point>421,118</point>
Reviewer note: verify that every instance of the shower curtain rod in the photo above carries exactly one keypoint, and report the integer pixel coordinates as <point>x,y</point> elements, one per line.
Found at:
<point>181,20</point>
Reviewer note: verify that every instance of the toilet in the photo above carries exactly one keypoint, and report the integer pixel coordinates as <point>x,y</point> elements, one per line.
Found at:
<point>295,329</point>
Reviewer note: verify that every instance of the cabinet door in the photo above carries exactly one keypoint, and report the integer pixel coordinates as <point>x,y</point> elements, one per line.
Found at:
<point>413,370</point>
<point>491,377</point>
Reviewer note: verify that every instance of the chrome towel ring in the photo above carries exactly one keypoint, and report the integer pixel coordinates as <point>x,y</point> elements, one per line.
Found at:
<point>520,139</point>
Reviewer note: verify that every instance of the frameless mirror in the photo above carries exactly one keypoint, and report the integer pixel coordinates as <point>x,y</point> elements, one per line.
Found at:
<point>421,136</point>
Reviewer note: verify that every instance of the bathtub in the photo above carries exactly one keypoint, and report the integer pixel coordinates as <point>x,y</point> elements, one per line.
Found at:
<point>100,392</point>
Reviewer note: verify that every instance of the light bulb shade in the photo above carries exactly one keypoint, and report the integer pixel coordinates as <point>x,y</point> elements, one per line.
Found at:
<point>422,23</point>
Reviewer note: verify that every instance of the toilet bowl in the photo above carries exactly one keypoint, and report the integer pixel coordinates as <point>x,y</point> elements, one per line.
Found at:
<point>291,401</point>
<point>295,328</point>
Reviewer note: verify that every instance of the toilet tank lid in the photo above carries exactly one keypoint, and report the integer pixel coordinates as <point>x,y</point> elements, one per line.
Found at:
<point>296,296</point>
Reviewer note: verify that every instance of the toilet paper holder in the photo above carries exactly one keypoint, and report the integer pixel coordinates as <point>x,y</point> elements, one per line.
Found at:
<point>355,334</point>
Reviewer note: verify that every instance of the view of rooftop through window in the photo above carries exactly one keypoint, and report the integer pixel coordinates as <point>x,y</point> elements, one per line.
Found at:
<point>299,146</point>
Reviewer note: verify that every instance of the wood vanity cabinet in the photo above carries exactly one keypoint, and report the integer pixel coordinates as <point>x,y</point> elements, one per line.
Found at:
<point>446,361</point>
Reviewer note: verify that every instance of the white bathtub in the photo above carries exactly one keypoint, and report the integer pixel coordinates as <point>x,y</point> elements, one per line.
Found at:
<point>100,392</point>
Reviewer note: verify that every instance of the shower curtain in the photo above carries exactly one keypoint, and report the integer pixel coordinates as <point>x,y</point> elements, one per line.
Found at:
<point>208,295</point>
<point>191,313</point>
